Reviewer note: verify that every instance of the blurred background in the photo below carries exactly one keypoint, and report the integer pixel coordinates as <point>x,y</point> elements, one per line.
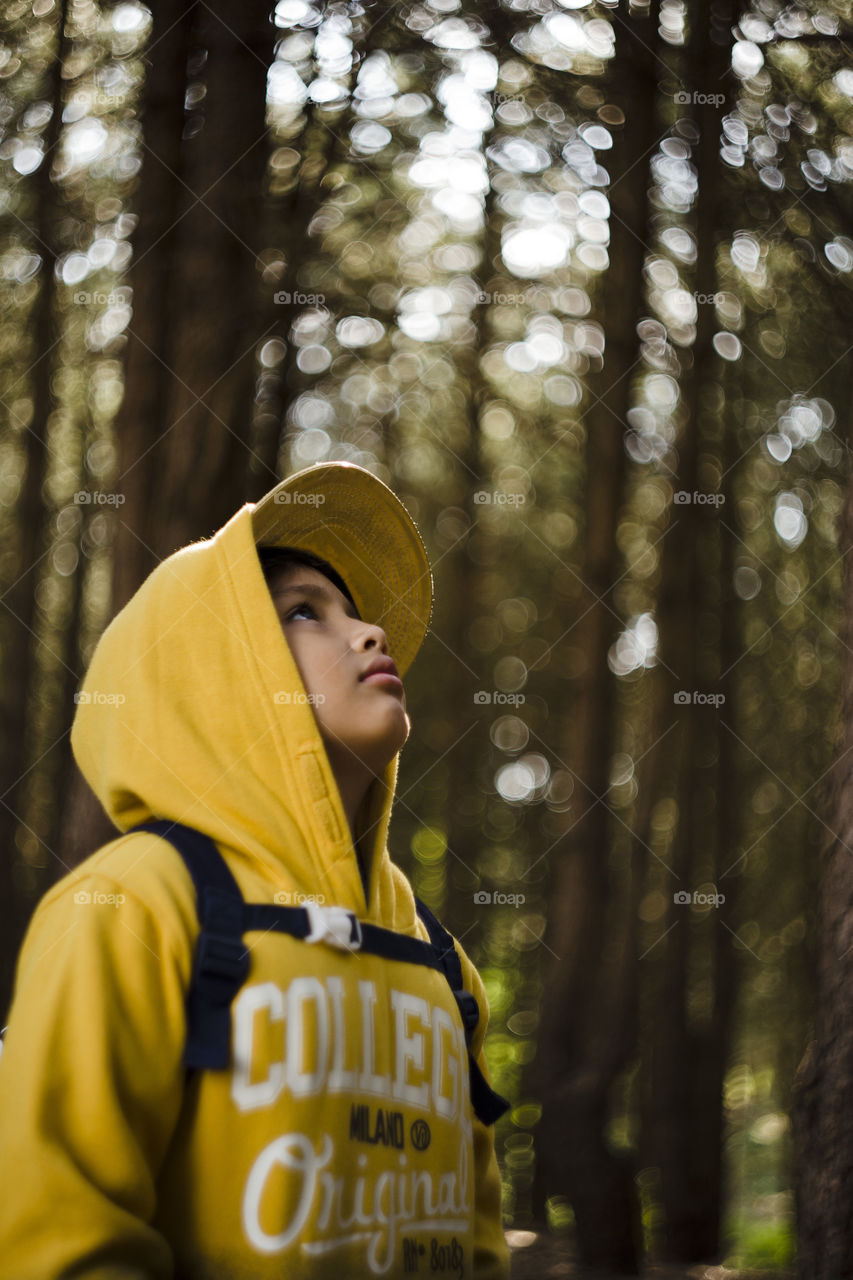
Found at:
<point>574,278</point>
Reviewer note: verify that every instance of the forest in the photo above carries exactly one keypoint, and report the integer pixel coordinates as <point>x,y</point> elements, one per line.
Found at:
<point>575,279</point>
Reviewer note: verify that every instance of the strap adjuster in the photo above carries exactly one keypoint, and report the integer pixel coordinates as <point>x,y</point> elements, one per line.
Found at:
<point>335,925</point>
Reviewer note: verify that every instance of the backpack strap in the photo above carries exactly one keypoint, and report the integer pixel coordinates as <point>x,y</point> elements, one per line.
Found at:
<point>221,963</point>
<point>488,1105</point>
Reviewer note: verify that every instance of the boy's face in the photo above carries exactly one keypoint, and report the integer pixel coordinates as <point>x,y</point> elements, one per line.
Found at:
<point>361,721</point>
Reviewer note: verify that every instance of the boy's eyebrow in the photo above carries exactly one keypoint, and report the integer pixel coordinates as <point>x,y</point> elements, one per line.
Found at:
<point>311,589</point>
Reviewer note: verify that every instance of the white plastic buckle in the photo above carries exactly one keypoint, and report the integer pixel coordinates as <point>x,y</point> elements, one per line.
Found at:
<point>335,925</point>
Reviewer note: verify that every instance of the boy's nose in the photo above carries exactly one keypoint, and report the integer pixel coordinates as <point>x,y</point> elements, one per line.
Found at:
<point>374,635</point>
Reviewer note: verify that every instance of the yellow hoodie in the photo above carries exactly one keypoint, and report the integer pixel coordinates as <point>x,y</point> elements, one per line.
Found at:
<point>340,1142</point>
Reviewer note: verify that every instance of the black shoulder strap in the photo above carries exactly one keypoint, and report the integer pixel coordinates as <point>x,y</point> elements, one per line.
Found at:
<point>221,963</point>
<point>488,1105</point>
<point>196,849</point>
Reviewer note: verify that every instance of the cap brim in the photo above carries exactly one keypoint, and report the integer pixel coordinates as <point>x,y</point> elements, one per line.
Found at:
<point>348,516</point>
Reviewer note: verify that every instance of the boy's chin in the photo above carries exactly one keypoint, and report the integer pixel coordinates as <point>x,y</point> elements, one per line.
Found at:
<point>377,754</point>
<point>398,737</point>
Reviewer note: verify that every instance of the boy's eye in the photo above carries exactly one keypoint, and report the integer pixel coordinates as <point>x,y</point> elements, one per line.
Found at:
<point>303,604</point>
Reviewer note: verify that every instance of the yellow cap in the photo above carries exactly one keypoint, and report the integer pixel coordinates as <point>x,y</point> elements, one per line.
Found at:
<point>349,517</point>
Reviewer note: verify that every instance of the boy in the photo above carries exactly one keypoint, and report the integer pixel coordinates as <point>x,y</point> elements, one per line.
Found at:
<point>247,700</point>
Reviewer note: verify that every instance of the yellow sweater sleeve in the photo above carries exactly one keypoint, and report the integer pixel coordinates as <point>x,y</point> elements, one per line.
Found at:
<point>491,1253</point>
<point>90,1088</point>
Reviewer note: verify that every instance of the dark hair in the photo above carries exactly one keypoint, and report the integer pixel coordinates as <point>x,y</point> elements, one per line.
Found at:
<point>275,560</point>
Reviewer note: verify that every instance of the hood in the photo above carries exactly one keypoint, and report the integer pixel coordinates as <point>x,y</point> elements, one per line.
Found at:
<point>193,709</point>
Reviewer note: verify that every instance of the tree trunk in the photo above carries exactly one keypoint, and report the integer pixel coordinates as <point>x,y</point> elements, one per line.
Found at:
<point>686,1062</point>
<point>184,424</point>
<point>32,522</point>
<point>823,1093</point>
<point>292,218</point>
<point>155,279</point>
<point>461,575</point>
<point>575,1079</point>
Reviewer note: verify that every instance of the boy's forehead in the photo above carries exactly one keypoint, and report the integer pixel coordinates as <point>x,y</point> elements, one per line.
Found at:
<point>289,572</point>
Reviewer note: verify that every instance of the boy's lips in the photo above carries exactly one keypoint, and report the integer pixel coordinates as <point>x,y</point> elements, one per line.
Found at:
<point>383,671</point>
<point>386,665</point>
